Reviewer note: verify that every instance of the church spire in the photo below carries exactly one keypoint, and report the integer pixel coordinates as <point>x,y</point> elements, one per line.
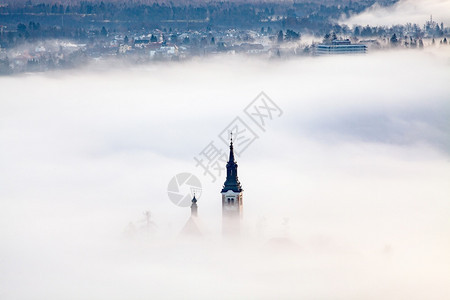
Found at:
<point>231,157</point>
<point>194,207</point>
<point>232,182</point>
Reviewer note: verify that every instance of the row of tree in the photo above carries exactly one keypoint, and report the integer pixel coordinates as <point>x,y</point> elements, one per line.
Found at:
<point>236,14</point>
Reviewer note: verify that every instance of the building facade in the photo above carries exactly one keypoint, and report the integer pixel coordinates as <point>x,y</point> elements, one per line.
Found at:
<point>340,47</point>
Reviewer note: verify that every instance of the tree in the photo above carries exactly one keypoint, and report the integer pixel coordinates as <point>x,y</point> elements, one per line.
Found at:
<point>280,37</point>
<point>126,40</point>
<point>221,46</point>
<point>104,32</point>
<point>149,224</point>
<point>21,28</point>
<point>394,40</point>
<point>328,38</point>
<point>153,39</point>
<point>292,35</point>
<point>5,67</point>
<point>11,37</point>
<point>438,31</point>
<point>32,25</point>
<point>366,31</point>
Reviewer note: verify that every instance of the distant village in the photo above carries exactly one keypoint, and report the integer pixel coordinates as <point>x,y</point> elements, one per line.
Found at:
<point>72,36</point>
<point>160,46</point>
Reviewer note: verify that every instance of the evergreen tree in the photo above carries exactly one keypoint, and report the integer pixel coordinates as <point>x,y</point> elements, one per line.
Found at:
<point>327,38</point>
<point>394,40</point>
<point>104,32</point>
<point>280,37</point>
<point>21,28</point>
<point>292,35</point>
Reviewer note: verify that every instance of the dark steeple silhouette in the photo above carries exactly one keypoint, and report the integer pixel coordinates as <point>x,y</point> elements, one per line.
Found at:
<point>232,182</point>
<point>194,207</point>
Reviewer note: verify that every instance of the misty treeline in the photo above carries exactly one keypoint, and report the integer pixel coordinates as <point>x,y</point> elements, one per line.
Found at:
<point>67,19</point>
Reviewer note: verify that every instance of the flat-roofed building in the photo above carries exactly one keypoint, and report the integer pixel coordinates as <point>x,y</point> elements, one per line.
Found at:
<point>339,47</point>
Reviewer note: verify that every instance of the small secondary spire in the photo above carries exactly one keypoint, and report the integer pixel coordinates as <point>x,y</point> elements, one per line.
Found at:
<point>194,207</point>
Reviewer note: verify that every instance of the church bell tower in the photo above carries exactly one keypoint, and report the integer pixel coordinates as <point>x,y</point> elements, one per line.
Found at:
<point>232,205</point>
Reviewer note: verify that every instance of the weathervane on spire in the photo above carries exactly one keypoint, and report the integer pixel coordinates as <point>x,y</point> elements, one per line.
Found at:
<point>231,134</point>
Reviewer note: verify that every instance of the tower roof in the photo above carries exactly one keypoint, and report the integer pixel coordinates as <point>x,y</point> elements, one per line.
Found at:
<point>232,182</point>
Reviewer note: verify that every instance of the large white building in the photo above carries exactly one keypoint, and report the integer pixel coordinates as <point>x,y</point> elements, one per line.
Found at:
<point>339,47</point>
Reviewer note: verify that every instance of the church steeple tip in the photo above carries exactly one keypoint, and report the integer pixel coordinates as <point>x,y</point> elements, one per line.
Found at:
<point>231,157</point>
<point>232,182</point>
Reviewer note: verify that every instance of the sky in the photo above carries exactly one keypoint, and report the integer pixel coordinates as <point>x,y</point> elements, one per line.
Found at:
<point>404,11</point>
<point>345,194</point>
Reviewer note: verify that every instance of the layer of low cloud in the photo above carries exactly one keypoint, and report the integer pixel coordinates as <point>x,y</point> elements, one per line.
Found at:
<point>404,11</point>
<point>346,194</point>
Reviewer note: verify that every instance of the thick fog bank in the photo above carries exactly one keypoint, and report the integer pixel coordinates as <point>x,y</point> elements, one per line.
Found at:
<point>345,194</point>
<point>403,12</point>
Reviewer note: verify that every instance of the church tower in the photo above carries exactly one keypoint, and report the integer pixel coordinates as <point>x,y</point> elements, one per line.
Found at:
<point>232,205</point>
